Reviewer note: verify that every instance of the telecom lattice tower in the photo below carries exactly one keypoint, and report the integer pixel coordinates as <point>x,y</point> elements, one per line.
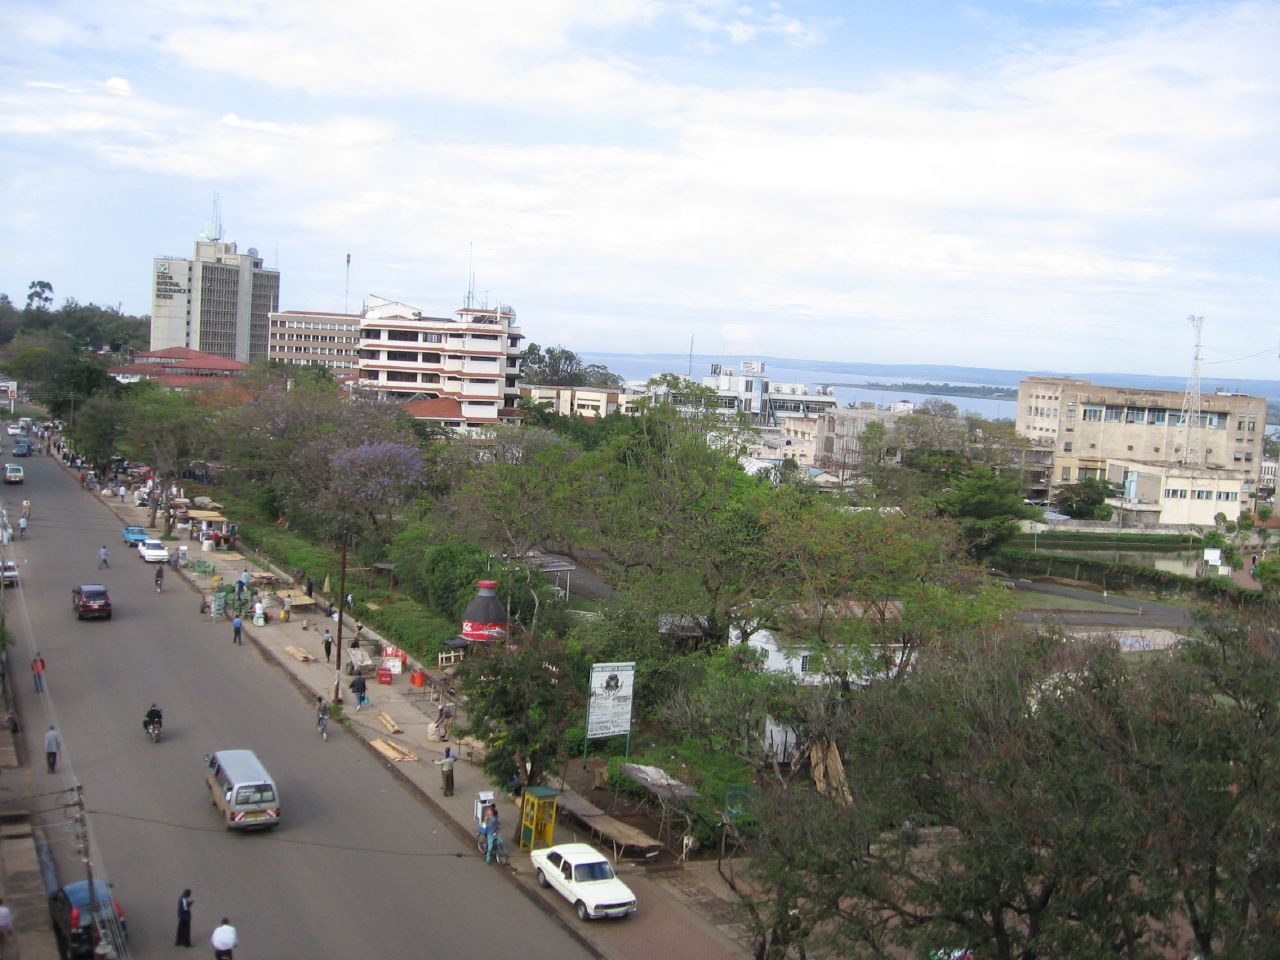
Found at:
<point>1191,402</point>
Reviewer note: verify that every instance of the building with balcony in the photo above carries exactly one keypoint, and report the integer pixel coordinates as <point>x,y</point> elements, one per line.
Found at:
<point>471,360</point>
<point>309,339</point>
<point>1089,426</point>
<point>216,302</point>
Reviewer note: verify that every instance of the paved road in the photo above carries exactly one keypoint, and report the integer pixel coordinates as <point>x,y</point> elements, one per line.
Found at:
<point>1130,613</point>
<point>359,867</point>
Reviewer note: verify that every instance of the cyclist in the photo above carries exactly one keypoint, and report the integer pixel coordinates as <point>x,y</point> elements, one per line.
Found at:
<point>322,715</point>
<point>492,831</point>
<point>153,718</point>
<point>159,576</point>
<point>22,528</point>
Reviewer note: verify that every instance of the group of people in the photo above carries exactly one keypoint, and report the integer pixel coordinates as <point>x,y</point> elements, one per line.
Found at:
<point>224,939</point>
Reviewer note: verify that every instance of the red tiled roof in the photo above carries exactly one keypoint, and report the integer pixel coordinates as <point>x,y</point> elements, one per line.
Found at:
<point>184,358</point>
<point>435,408</point>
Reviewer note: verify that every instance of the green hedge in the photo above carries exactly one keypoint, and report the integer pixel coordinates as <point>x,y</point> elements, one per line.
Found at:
<point>1119,576</point>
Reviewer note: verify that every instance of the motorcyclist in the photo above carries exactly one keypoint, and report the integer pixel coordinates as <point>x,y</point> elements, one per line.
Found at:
<point>153,718</point>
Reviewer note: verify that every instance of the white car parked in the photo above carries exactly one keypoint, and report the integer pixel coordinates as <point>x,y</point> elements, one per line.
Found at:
<point>9,573</point>
<point>584,876</point>
<point>153,551</point>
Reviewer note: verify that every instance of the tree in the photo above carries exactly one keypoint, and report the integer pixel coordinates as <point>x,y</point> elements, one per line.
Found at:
<point>987,506</point>
<point>39,295</point>
<point>1086,499</point>
<point>559,367</point>
<point>521,700</point>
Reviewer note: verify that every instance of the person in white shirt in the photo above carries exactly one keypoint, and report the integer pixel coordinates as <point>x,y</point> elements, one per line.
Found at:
<point>223,940</point>
<point>8,937</point>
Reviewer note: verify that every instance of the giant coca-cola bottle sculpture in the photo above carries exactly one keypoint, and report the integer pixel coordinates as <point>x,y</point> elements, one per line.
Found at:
<point>485,618</point>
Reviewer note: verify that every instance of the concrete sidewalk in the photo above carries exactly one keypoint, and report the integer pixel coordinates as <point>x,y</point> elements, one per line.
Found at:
<point>687,912</point>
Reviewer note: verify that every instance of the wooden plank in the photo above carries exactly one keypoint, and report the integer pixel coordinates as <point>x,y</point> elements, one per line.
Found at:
<point>392,751</point>
<point>298,654</point>
<point>384,718</point>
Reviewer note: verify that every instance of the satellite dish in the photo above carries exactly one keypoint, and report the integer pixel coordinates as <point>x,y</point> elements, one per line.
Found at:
<point>253,251</point>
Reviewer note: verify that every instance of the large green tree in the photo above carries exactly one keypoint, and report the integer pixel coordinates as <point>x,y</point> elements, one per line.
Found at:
<point>986,505</point>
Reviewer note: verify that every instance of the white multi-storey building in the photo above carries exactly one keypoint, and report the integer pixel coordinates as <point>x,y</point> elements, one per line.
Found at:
<point>216,302</point>
<point>305,338</point>
<point>467,367</point>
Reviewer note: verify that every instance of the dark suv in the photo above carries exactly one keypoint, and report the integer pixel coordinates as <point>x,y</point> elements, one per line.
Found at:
<point>72,923</point>
<point>91,600</point>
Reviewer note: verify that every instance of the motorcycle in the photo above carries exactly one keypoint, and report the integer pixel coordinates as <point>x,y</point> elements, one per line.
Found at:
<point>153,729</point>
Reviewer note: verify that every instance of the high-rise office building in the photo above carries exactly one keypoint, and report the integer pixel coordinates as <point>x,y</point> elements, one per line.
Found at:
<point>218,301</point>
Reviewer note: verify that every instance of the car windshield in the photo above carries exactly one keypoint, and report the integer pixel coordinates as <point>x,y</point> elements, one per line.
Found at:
<point>258,793</point>
<point>94,596</point>
<point>587,872</point>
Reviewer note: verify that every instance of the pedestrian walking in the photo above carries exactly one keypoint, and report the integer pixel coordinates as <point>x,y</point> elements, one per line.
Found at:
<point>259,613</point>
<point>102,557</point>
<point>121,493</point>
<point>37,672</point>
<point>445,764</point>
<point>359,637</point>
<point>183,938</point>
<point>358,687</point>
<point>327,642</point>
<point>223,940</point>
<point>52,744</point>
<point>243,583</point>
<point>310,586</point>
<point>8,936</point>
<point>236,625</point>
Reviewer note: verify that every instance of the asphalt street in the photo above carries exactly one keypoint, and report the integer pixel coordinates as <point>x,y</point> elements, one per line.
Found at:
<point>359,866</point>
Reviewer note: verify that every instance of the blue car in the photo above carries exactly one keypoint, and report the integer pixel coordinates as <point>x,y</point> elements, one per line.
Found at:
<point>22,449</point>
<point>134,535</point>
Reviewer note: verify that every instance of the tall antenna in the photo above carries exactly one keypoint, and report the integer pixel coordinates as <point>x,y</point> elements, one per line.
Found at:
<point>346,290</point>
<point>213,229</point>
<point>691,356</point>
<point>470,299</point>
<point>1191,402</point>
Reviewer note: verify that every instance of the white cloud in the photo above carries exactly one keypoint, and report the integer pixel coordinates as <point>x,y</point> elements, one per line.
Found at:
<point>1070,183</point>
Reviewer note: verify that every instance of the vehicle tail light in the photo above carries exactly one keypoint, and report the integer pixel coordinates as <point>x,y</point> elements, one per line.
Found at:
<point>75,917</point>
<point>119,912</point>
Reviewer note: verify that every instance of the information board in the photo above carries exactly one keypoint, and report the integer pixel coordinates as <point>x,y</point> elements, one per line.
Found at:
<point>612,688</point>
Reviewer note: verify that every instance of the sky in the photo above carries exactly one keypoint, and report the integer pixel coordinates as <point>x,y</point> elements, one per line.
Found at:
<point>1047,184</point>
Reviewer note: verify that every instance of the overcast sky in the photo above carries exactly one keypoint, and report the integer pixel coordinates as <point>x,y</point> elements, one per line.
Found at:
<point>1052,184</point>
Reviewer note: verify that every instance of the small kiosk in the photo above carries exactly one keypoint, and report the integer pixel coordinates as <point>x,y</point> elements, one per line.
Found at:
<point>538,808</point>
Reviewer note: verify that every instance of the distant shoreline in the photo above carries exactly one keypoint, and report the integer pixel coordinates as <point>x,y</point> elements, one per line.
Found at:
<point>935,389</point>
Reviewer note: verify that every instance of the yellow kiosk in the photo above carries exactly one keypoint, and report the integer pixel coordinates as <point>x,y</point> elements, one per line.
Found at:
<point>538,809</point>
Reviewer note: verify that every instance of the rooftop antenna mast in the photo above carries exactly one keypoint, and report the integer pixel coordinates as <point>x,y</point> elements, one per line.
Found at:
<point>346,290</point>
<point>213,229</point>
<point>1191,402</point>
<point>470,299</point>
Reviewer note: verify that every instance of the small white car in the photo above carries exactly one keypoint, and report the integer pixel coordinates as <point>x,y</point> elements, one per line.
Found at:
<point>584,876</point>
<point>153,551</point>
<point>14,429</point>
<point>9,573</point>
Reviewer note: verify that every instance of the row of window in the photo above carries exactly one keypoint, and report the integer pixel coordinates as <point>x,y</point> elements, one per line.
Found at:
<point>316,325</point>
<point>1225,496</point>
<point>314,351</point>
<point>312,338</point>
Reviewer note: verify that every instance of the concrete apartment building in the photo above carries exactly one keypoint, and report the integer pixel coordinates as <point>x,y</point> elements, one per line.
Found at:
<point>463,370</point>
<point>310,339</point>
<point>592,402</point>
<point>838,438</point>
<point>1138,438</point>
<point>217,302</point>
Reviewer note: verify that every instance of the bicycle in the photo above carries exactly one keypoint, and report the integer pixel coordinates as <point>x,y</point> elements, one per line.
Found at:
<point>500,854</point>
<point>322,724</point>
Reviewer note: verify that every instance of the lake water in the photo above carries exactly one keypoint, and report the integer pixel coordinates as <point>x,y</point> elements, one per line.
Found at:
<point>644,366</point>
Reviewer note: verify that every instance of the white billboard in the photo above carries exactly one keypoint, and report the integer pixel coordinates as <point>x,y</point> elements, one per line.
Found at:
<point>609,712</point>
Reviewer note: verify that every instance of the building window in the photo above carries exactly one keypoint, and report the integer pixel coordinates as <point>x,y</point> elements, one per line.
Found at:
<point>1157,417</point>
<point>1092,415</point>
<point>1112,414</point>
<point>1066,447</point>
<point>1204,494</point>
<point>1066,474</point>
<point>1228,495</point>
<point>806,663</point>
<point>403,336</point>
